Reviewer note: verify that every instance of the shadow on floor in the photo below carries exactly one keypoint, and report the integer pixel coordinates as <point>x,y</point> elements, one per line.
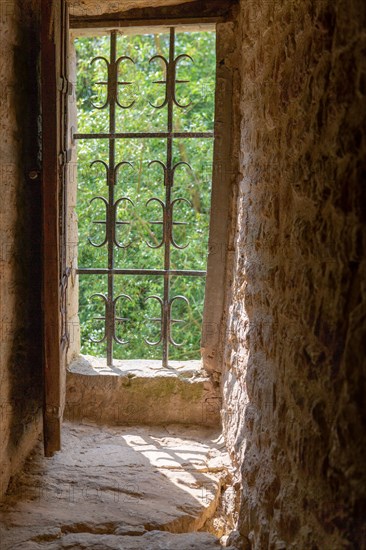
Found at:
<point>120,482</point>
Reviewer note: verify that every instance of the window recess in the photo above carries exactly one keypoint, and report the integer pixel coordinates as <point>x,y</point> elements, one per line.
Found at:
<point>144,184</point>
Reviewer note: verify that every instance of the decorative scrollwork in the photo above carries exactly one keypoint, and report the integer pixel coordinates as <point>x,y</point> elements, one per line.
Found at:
<point>156,319</point>
<point>171,339</point>
<point>118,223</point>
<point>111,212</point>
<point>103,82</point>
<point>102,163</point>
<point>160,319</point>
<point>119,319</point>
<point>168,212</point>
<point>112,82</point>
<point>170,80</point>
<point>123,83</point>
<point>172,240</point>
<point>105,300</point>
<point>180,163</point>
<point>176,61</point>
<point>165,169</point>
<point>110,332</point>
<point>159,245</point>
<point>166,63</point>
<point>102,222</point>
<point>118,166</point>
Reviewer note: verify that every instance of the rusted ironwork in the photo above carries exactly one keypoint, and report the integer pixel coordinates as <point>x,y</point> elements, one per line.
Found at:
<point>116,271</point>
<point>123,135</point>
<point>167,220</point>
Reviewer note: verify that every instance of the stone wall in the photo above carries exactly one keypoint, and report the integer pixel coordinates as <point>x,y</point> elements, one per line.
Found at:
<point>72,220</point>
<point>100,7</point>
<point>293,385</point>
<point>294,379</point>
<point>20,214</point>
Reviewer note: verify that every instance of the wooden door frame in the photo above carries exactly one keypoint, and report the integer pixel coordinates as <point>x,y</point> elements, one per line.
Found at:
<point>54,29</point>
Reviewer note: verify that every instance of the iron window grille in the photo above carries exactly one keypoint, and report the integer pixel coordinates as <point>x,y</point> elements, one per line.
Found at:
<point>168,223</point>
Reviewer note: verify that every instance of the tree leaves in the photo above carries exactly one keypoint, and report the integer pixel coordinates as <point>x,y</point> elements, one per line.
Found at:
<point>140,183</point>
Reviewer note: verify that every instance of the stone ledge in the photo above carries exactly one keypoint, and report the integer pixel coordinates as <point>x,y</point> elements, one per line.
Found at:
<point>140,392</point>
<point>145,368</point>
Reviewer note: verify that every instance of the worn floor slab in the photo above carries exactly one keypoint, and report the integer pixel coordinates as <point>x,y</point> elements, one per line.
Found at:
<point>117,487</point>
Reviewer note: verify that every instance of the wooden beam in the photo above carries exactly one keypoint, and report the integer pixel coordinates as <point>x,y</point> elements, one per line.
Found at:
<point>195,12</point>
<point>82,23</point>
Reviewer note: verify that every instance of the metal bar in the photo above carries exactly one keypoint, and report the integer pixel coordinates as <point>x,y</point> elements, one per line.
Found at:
<point>170,79</point>
<point>170,272</point>
<point>112,96</point>
<point>138,135</point>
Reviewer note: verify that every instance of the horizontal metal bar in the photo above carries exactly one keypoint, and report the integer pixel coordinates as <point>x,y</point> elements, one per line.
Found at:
<point>138,135</point>
<point>105,271</point>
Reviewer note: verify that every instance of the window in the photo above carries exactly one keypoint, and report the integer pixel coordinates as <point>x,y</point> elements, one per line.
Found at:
<point>145,133</point>
<point>59,165</point>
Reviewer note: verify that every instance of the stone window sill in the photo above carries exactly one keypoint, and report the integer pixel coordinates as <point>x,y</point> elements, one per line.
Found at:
<point>89,365</point>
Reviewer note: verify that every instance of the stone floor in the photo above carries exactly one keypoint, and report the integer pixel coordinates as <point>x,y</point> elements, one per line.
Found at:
<point>118,488</point>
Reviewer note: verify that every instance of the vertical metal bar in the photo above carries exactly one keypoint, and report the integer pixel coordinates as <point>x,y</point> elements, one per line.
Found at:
<point>168,185</point>
<point>112,92</point>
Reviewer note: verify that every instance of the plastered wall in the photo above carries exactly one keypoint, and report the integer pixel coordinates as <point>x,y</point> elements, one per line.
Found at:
<point>20,260</point>
<point>294,375</point>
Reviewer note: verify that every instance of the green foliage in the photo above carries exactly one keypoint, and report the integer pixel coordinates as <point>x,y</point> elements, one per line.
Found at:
<point>139,182</point>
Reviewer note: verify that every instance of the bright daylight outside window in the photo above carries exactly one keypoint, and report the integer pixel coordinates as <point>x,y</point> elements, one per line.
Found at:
<point>145,117</point>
